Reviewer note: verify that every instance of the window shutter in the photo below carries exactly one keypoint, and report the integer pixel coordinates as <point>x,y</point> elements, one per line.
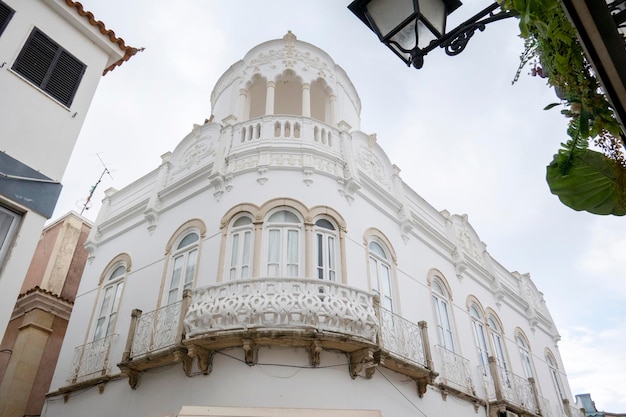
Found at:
<point>50,67</point>
<point>5,15</point>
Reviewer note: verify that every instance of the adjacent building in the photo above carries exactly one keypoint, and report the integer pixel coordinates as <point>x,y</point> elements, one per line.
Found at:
<point>276,264</point>
<point>31,344</point>
<point>52,56</point>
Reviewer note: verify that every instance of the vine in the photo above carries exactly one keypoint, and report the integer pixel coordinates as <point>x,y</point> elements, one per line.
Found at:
<point>552,50</point>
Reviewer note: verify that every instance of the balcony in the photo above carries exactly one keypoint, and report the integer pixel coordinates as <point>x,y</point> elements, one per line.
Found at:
<point>507,391</point>
<point>91,361</point>
<point>282,127</point>
<point>455,374</point>
<point>305,313</point>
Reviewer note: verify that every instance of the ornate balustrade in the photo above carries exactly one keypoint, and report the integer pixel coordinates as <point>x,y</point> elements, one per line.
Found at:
<point>91,360</point>
<point>299,128</point>
<point>455,372</point>
<point>509,390</point>
<point>293,312</point>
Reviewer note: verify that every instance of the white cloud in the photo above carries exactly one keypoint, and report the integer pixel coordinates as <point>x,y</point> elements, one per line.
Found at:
<point>595,362</point>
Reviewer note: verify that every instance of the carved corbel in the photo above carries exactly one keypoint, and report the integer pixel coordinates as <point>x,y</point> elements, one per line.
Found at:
<point>133,377</point>
<point>251,351</point>
<point>151,217</point>
<point>204,358</point>
<point>315,348</point>
<point>185,359</point>
<point>363,360</point>
<point>422,386</point>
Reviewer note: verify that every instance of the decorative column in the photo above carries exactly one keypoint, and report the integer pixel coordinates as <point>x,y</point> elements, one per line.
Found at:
<point>243,99</point>
<point>306,100</point>
<point>333,110</point>
<point>269,98</point>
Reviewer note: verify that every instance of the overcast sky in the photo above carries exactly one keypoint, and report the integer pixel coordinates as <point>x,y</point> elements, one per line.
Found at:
<point>465,139</point>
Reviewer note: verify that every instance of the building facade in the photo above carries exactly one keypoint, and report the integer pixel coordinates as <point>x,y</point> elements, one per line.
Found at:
<point>52,56</point>
<point>35,333</point>
<point>275,263</point>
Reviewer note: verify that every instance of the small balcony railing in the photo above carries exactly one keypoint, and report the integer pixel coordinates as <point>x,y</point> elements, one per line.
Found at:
<point>295,312</point>
<point>91,360</point>
<point>503,386</point>
<point>302,129</point>
<point>455,372</point>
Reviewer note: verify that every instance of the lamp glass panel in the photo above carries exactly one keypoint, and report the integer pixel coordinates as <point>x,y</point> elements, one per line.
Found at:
<point>434,11</point>
<point>406,37</point>
<point>388,14</point>
<point>424,35</point>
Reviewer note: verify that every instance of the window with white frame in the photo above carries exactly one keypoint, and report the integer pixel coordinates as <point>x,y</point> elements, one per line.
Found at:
<point>9,221</point>
<point>241,238</point>
<point>380,273</point>
<point>326,248</point>
<point>441,305</point>
<point>498,342</point>
<point>478,329</point>
<point>183,266</point>
<point>554,374</point>
<point>110,301</point>
<point>284,254</point>
<point>524,351</point>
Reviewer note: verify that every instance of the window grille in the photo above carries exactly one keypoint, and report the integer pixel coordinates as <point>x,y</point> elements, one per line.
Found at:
<point>44,63</point>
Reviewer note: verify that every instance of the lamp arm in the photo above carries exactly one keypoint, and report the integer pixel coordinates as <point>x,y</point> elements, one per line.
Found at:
<point>455,41</point>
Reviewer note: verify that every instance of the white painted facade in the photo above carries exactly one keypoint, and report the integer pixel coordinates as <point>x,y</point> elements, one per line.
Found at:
<point>37,130</point>
<point>280,171</point>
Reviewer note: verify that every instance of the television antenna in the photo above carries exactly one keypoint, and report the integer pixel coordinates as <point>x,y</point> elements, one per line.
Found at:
<point>87,204</point>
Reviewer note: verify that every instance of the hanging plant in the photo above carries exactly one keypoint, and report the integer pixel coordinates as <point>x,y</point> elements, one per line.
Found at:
<point>587,179</point>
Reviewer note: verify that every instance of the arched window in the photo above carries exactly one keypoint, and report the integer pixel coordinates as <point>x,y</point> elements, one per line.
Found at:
<point>441,305</point>
<point>498,342</point>
<point>241,238</point>
<point>524,351</point>
<point>183,266</point>
<point>554,373</point>
<point>478,328</point>
<point>380,273</point>
<point>110,300</point>
<point>326,249</point>
<point>284,253</point>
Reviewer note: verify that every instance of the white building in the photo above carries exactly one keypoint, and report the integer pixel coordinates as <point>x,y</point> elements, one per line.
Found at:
<point>319,282</point>
<point>52,56</point>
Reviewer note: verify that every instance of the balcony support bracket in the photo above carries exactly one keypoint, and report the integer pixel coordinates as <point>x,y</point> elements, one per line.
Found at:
<point>203,356</point>
<point>422,386</point>
<point>251,351</point>
<point>186,360</point>
<point>314,350</point>
<point>133,377</point>
<point>363,361</point>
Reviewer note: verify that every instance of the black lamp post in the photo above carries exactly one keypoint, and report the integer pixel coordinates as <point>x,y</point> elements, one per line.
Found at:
<point>413,28</point>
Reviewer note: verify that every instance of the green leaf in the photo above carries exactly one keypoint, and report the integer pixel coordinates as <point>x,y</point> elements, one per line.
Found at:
<point>592,183</point>
<point>551,105</point>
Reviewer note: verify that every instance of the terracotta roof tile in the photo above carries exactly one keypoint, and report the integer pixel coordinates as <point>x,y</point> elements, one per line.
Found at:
<point>129,51</point>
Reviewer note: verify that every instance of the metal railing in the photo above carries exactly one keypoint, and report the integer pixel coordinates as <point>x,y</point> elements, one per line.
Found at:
<point>401,337</point>
<point>156,330</point>
<point>91,360</point>
<point>503,385</point>
<point>455,371</point>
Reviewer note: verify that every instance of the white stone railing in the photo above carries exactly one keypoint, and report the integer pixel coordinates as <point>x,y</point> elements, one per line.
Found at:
<point>455,371</point>
<point>401,337</point>
<point>91,360</point>
<point>503,385</point>
<point>282,303</point>
<point>156,330</point>
<point>299,128</point>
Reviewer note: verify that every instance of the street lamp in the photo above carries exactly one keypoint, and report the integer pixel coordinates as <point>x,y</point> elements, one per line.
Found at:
<point>413,28</point>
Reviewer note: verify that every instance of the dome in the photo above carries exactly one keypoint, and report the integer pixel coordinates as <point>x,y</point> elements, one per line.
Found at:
<point>286,77</point>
